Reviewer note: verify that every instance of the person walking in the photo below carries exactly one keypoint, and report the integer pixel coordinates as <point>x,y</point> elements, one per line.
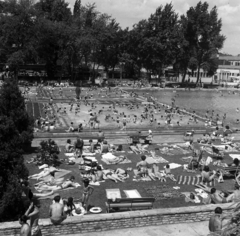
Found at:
<point>33,214</point>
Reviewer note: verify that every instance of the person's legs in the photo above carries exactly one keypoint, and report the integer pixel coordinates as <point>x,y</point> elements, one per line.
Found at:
<point>43,194</point>
<point>111,178</point>
<point>115,176</point>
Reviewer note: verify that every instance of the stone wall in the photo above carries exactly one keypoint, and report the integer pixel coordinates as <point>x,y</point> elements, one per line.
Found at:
<point>110,221</point>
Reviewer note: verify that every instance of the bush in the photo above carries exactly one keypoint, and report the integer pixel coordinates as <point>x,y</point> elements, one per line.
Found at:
<point>48,153</point>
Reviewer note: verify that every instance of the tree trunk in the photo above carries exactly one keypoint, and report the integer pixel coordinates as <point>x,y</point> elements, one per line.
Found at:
<point>184,76</point>
<point>113,69</point>
<point>198,73</point>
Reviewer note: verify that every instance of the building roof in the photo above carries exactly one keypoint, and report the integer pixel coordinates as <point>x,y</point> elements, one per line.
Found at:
<point>228,67</point>
<point>229,58</point>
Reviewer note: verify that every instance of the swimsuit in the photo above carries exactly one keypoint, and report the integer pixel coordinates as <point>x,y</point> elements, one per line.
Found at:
<point>35,231</point>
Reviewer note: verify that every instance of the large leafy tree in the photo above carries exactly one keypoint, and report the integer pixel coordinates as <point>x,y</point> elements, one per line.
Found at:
<point>12,169</point>
<point>12,105</point>
<point>162,39</point>
<point>16,33</point>
<point>202,30</point>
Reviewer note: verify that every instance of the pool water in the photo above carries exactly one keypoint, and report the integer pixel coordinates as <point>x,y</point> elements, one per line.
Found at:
<point>200,101</point>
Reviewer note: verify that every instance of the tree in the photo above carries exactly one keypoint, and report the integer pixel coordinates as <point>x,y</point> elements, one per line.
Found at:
<point>54,10</point>
<point>77,9</point>
<point>12,105</point>
<point>203,32</point>
<point>12,169</point>
<point>16,33</point>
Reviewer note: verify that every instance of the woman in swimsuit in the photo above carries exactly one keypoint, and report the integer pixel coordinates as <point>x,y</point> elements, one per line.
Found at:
<point>87,191</point>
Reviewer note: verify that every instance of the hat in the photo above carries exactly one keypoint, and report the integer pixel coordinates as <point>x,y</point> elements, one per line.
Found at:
<point>150,131</point>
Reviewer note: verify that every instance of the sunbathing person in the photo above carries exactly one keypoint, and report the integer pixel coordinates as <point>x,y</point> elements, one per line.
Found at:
<point>142,148</point>
<point>142,167</point>
<point>109,174</point>
<point>121,172</point>
<point>28,192</point>
<point>46,172</point>
<point>151,174</point>
<point>235,196</point>
<point>105,148</point>
<point>217,196</point>
<point>207,176</point>
<point>66,184</point>
<point>158,175</point>
<point>134,148</point>
<point>69,148</point>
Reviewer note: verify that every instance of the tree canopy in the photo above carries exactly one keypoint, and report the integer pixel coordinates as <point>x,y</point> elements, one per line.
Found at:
<point>47,32</point>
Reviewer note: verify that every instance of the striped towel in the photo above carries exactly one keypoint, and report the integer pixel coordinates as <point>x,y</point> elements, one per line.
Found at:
<point>192,180</point>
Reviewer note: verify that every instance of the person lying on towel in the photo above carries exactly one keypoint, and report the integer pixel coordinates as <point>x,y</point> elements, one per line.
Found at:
<point>66,184</point>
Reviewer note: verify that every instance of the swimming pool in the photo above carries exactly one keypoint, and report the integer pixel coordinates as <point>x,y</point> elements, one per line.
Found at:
<point>221,102</point>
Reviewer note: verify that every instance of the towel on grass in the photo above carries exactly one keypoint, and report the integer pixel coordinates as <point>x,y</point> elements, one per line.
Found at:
<point>192,180</point>
<point>233,156</point>
<point>174,165</point>
<point>132,193</point>
<point>113,193</point>
<point>160,192</point>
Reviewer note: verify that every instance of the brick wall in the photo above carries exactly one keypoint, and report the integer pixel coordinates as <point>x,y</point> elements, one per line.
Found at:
<point>110,221</point>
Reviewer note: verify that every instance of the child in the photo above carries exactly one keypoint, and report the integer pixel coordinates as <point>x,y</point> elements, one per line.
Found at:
<point>87,191</point>
<point>168,173</point>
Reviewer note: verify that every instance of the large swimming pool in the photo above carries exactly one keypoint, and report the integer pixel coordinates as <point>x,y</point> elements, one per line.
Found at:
<point>221,102</point>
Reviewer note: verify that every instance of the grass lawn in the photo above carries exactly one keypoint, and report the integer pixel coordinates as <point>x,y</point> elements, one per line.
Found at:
<point>146,189</point>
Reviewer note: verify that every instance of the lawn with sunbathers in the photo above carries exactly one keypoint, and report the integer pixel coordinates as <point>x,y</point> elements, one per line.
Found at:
<point>165,193</point>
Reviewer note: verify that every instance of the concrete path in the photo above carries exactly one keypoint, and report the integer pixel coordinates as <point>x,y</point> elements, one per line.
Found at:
<point>187,229</point>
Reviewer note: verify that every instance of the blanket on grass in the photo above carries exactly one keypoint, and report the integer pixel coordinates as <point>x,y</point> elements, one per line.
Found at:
<point>192,180</point>
<point>160,192</point>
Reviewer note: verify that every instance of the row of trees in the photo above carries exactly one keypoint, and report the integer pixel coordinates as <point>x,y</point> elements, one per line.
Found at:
<point>48,32</point>
<point>16,132</point>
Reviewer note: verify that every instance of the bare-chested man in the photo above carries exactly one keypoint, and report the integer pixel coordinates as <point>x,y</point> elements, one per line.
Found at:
<point>56,212</point>
<point>25,228</point>
<point>215,222</point>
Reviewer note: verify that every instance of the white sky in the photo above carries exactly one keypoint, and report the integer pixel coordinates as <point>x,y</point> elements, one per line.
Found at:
<point>129,12</point>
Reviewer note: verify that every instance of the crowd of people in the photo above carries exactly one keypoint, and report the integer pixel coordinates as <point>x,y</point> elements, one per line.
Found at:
<point>61,208</point>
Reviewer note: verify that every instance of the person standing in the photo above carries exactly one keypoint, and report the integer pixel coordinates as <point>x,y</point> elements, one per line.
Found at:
<point>87,192</point>
<point>34,218</point>
<point>25,228</point>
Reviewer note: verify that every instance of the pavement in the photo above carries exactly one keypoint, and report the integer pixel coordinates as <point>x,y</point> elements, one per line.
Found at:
<point>187,229</point>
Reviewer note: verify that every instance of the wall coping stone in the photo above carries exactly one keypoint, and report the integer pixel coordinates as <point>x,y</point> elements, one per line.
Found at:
<point>126,215</point>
